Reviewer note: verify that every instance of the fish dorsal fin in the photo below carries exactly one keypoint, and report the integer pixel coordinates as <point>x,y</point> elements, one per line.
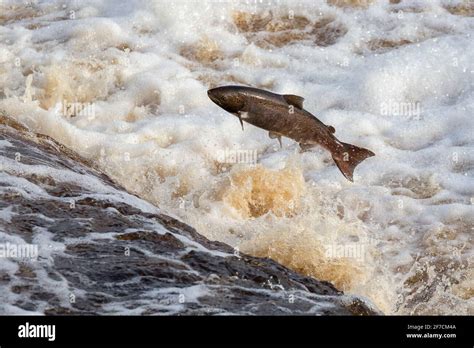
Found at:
<point>294,100</point>
<point>331,129</point>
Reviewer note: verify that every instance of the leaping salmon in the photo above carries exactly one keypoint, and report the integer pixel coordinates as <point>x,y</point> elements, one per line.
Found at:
<point>283,115</point>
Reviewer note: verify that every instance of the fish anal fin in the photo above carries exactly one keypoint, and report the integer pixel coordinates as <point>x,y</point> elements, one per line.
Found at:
<point>294,100</point>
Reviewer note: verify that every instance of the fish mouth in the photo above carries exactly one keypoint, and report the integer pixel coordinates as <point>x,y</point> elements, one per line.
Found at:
<point>210,94</point>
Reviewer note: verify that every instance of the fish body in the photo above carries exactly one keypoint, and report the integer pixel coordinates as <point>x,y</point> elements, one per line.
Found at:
<point>284,115</point>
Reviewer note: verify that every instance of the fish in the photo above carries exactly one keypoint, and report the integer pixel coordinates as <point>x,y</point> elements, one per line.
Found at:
<point>283,115</point>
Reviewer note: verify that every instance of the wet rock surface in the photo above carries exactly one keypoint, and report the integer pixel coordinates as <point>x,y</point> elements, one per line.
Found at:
<point>104,251</point>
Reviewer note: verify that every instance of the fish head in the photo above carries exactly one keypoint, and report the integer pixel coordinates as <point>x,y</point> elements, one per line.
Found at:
<point>229,98</point>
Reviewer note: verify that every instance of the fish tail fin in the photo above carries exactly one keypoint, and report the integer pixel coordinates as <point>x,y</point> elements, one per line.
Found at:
<point>350,156</point>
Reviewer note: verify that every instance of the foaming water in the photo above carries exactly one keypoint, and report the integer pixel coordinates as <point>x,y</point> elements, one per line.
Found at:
<point>258,191</point>
<point>125,86</point>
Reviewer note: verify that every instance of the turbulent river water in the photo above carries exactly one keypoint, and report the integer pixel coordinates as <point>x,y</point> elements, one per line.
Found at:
<point>123,84</point>
<point>74,242</point>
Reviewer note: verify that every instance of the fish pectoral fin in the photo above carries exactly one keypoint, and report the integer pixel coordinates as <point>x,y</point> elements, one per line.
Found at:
<point>331,129</point>
<point>306,147</point>
<point>294,100</point>
<point>239,115</point>
<point>274,135</point>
